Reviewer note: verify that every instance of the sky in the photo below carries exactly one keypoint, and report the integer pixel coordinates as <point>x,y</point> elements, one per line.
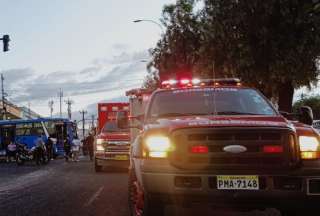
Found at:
<point>90,49</point>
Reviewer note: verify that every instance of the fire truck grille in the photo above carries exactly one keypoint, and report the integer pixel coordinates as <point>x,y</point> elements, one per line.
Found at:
<point>117,147</point>
<point>216,139</point>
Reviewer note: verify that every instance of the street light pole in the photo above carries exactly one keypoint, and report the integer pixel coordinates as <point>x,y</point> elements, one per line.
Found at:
<point>151,21</point>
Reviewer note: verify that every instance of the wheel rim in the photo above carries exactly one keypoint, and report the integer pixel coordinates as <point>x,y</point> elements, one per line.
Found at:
<point>137,199</point>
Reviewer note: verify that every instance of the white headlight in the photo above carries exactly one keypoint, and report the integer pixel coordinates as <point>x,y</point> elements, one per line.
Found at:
<point>100,141</point>
<point>100,148</point>
<point>158,146</point>
<point>308,143</point>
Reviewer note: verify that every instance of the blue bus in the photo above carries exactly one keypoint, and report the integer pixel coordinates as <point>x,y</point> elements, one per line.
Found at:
<point>26,132</point>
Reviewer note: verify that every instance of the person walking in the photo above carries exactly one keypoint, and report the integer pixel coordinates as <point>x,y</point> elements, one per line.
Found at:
<point>67,149</point>
<point>89,142</point>
<point>50,148</point>
<point>11,151</point>
<point>40,150</point>
<point>75,149</point>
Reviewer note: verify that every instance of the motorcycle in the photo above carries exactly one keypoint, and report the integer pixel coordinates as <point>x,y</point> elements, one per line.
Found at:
<point>23,154</point>
<point>36,153</point>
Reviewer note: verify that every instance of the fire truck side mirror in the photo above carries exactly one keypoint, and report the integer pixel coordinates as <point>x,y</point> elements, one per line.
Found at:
<point>122,119</point>
<point>305,115</point>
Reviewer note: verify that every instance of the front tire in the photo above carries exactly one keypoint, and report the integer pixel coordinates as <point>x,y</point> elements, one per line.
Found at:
<point>139,203</point>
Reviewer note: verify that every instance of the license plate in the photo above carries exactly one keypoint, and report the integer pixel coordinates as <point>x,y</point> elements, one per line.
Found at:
<point>226,182</point>
<point>121,157</point>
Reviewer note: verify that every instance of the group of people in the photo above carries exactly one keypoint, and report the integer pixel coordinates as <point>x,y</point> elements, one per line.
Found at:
<point>46,149</point>
<point>72,149</point>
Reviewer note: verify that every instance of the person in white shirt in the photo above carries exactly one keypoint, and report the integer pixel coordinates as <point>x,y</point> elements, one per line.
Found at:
<point>75,148</point>
<point>12,149</point>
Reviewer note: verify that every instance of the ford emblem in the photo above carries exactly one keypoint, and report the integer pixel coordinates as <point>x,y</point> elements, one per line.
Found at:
<point>236,149</point>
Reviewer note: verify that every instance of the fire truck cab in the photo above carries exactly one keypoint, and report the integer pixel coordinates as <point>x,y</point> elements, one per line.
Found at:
<point>219,142</point>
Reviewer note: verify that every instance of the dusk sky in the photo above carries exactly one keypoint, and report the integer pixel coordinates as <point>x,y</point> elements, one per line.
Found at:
<point>91,49</point>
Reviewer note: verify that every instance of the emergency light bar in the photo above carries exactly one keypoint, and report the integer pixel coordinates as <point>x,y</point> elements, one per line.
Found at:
<point>200,82</point>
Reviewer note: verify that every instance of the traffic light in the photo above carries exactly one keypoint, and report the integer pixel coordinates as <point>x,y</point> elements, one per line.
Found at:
<point>6,40</point>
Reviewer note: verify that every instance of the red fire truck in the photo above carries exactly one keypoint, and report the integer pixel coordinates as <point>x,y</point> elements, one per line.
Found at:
<point>111,147</point>
<point>221,143</point>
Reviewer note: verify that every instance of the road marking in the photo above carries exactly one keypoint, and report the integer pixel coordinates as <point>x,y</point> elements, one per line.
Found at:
<point>94,197</point>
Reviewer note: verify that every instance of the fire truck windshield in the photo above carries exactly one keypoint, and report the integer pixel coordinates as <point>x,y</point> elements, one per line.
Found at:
<point>111,127</point>
<point>209,101</point>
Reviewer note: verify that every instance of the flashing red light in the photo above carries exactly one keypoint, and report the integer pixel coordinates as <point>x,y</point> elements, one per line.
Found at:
<point>200,149</point>
<point>272,149</point>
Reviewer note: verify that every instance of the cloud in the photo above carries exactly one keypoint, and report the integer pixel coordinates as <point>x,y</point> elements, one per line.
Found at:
<point>120,46</point>
<point>108,78</point>
<point>123,57</point>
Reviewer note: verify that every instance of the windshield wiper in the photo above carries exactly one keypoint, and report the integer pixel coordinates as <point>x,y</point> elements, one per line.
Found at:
<point>179,114</point>
<point>236,113</point>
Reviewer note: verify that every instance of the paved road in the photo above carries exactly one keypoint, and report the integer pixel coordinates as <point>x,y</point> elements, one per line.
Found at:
<point>74,189</point>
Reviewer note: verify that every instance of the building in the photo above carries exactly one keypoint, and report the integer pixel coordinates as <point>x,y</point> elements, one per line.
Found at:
<point>15,112</point>
<point>27,113</point>
<point>12,111</point>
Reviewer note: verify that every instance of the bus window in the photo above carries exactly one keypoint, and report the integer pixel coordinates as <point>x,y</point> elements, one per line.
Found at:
<point>23,129</point>
<point>50,126</point>
<point>37,129</point>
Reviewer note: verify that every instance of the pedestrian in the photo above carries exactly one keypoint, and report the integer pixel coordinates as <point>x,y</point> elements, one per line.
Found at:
<point>90,140</point>
<point>50,148</point>
<point>11,151</point>
<point>67,149</point>
<point>75,149</point>
<point>40,150</point>
<point>84,146</point>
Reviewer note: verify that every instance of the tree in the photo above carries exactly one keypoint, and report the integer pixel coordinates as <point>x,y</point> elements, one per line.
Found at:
<point>177,52</point>
<point>312,101</point>
<point>272,45</point>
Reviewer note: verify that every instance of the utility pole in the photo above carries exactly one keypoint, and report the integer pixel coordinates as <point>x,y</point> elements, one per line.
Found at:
<point>50,104</point>
<point>92,121</point>
<point>83,112</point>
<point>69,103</point>
<point>4,107</point>
<point>60,95</point>
<point>29,110</point>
